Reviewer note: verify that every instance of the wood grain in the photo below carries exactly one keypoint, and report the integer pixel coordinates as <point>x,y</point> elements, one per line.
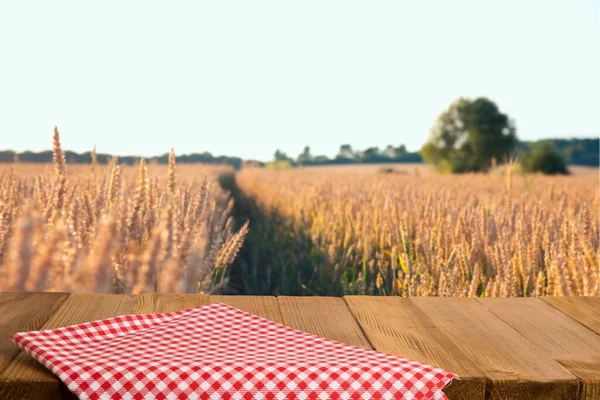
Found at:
<point>25,378</point>
<point>127,305</point>
<point>263,306</point>
<point>514,367</point>
<point>322,316</point>
<point>501,348</point>
<point>585,310</point>
<point>574,346</point>
<point>162,303</point>
<point>22,311</point>
<point>396,326</point>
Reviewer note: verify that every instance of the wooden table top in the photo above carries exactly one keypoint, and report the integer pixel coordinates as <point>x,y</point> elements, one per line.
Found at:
<point>502,348</point>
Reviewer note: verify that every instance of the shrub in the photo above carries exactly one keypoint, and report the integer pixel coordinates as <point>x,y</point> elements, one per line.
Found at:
<point>545,159</point>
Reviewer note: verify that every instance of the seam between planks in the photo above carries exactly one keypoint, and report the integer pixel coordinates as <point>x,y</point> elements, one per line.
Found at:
<point>529,341</point>
<point>489,382</point>
<point>359,325</point>
<point>483,395</point>
<point>279,309</point>
<point>579,381</point>
<point>572,318</point>
<point>121,298</point>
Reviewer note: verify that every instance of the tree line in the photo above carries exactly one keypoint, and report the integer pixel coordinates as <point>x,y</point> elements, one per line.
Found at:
<point>104,158</point>
<point>347,155</point>
<point>571,151</point>
<point>471,135</point>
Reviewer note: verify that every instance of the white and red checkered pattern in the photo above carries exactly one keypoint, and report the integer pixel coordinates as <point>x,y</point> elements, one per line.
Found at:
<point>220,352</point>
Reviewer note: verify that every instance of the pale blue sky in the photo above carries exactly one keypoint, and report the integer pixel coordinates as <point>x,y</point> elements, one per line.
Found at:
<point>247,77</point>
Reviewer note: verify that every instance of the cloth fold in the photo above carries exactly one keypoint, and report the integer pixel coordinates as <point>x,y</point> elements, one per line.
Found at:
<point>219,352</point>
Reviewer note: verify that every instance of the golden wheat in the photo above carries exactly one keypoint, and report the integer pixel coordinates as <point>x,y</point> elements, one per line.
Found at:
<point>470,235</point>
<point>116,228</point>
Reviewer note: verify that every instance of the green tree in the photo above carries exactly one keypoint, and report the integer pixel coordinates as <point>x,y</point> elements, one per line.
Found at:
<point>345,152</point>
<point>468,135</point>
<point>371,154</point>
<point>321,159</point>
<point>280,156</point>
<point>389,152</point>
<point>305,157</point>
<point>400,151</point>
<point>546,159</point>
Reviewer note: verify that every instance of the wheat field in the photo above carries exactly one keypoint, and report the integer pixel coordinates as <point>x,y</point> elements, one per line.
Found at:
<point>414,234</point>
<point>401,230</point>
<point>115,228</point>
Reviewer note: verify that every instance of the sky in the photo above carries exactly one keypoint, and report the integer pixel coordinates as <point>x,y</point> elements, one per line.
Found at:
<point>245,78</point>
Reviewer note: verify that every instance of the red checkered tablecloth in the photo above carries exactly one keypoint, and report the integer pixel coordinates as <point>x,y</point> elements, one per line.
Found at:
<point>220,352</point>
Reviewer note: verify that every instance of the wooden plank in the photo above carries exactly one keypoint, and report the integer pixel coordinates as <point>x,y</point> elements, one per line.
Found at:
<point>322,316</point>
<point>585,310</point>
<point>513,343</point>
<point>127,305</point>
<point>161,303</point>
<point>514,367</point>
<point>396,326</point>
<point>263,306</point>
<point>25,378</point>
<point>574,346</point>
<point>20,312</point>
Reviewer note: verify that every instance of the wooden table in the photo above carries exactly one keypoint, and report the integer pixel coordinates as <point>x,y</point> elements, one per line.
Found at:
<point>517,348</point>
